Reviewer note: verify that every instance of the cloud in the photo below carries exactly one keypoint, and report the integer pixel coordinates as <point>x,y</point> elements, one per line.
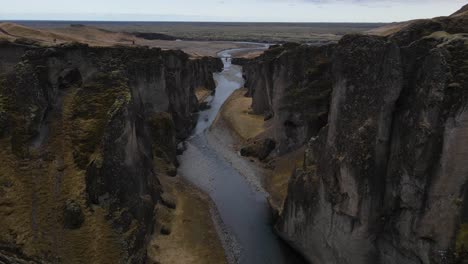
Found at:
<point>358,1</point>
<point>364,3</point>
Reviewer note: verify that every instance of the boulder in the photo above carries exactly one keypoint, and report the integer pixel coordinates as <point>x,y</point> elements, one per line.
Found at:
<point>260,150</point>
<point>73,216</point>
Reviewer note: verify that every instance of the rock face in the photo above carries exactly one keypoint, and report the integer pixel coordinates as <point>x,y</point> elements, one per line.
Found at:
<point>291,84</point>
<point>385,173</point>
<point>97,126</point>
<point>384,181</point>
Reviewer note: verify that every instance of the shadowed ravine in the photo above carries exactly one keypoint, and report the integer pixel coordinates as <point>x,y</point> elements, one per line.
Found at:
<point>243,211</point>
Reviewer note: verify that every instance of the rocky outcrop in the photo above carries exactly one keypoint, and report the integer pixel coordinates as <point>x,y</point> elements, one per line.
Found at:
<point>260,150</point>
<point>13,255</point>
<point>352,136</point>
<point>73,216</point>
<point>95,126</point>
<point>291,84</point>
<point>384,181</point>
<point>10,55</point>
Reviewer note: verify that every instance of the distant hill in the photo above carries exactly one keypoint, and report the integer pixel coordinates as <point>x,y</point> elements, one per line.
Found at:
<point>458,20</point>
<point>74,33</point>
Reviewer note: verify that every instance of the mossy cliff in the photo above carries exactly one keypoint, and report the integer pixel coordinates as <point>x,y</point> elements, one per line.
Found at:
<point>384,179</point>
<point>85,133</point>
<point>291,85</point>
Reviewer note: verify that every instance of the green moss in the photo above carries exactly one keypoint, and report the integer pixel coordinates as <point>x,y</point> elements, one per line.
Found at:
<point>460,254</point>
<point>3,101</point>
<point>93,105</point>
<point>163,134</point>
<point>3,109</point>
<point>301,99</point>
<point>118,104</point>
<point>310,82</point>
<point>438,35</point>
<point>25,104</point>
<point>461,243</point>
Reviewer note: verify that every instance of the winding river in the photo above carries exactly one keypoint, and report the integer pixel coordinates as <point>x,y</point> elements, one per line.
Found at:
<point>242,212</point>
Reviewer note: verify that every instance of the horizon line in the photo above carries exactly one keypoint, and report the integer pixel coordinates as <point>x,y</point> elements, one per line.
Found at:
<point>200,21</point>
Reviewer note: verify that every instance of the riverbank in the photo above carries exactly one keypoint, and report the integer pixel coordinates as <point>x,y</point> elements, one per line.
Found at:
<point>234,127</point>
<point>236,113</point>
<point>237,125</point>
<point>187,217</point>
<point>232,182</point>
<point>195,231</point>
<point>192,237</point>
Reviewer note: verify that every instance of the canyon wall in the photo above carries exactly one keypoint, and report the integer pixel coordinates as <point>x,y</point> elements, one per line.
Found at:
<point>85,132</point>
<point>384,179</point>
<point>291,84</point>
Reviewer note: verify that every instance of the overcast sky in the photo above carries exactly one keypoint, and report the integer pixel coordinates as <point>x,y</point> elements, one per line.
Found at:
<point>225,10</point>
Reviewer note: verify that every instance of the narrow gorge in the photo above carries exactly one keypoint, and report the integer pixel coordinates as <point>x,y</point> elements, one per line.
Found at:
<point>337,152</point>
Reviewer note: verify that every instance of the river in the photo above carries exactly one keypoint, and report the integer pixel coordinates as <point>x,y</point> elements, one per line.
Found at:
<point>242,210</point>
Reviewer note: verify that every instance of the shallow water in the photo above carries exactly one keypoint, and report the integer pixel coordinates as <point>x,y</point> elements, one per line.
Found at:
<point>242,209</point>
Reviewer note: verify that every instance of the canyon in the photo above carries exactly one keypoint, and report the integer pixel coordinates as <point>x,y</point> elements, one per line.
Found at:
<point>345,152</point>
<point>383,179</point>
<point>82,130</point>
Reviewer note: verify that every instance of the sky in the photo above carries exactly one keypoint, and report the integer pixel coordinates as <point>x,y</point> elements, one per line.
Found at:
<point>224,10</point>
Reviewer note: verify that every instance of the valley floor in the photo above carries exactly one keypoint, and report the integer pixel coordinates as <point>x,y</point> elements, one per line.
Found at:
<point>193,238</point>
<point>236,116</point>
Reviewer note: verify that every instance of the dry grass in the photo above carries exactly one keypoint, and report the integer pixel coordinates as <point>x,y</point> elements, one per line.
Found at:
<point>235,112</point>
<point>193,238</point>
<point>257,32</point>
<point>32,196</point>
<point>248,54</point>
<point>200,39</point>
<point>99,37</point>
<point>202,93</point>
<point>88,35</point>
<point>390,29</point>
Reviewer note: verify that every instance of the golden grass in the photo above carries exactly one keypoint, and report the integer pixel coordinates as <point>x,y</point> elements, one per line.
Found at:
<point>32,196</point>
<point>88,35</point>
<point>235,112</point>
<point>103,38</point>
<point>202,93</point>
<point>193,238</point>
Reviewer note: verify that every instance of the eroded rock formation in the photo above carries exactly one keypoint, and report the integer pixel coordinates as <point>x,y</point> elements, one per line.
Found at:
<point>291,84</point>
<point>96,126</point>
<point>384,178</point>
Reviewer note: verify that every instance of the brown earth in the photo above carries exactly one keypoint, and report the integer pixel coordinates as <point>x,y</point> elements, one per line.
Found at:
<point>202,93</point>
<point>33,192</point>
<point>193,238</point>
<point>100,37</point>
<point>236,112</point>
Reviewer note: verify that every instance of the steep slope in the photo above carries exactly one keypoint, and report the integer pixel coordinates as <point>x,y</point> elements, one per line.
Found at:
<point>291,90</point>
<point>383,180</point>
<point>85,134</point>
<point>377,177</point>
